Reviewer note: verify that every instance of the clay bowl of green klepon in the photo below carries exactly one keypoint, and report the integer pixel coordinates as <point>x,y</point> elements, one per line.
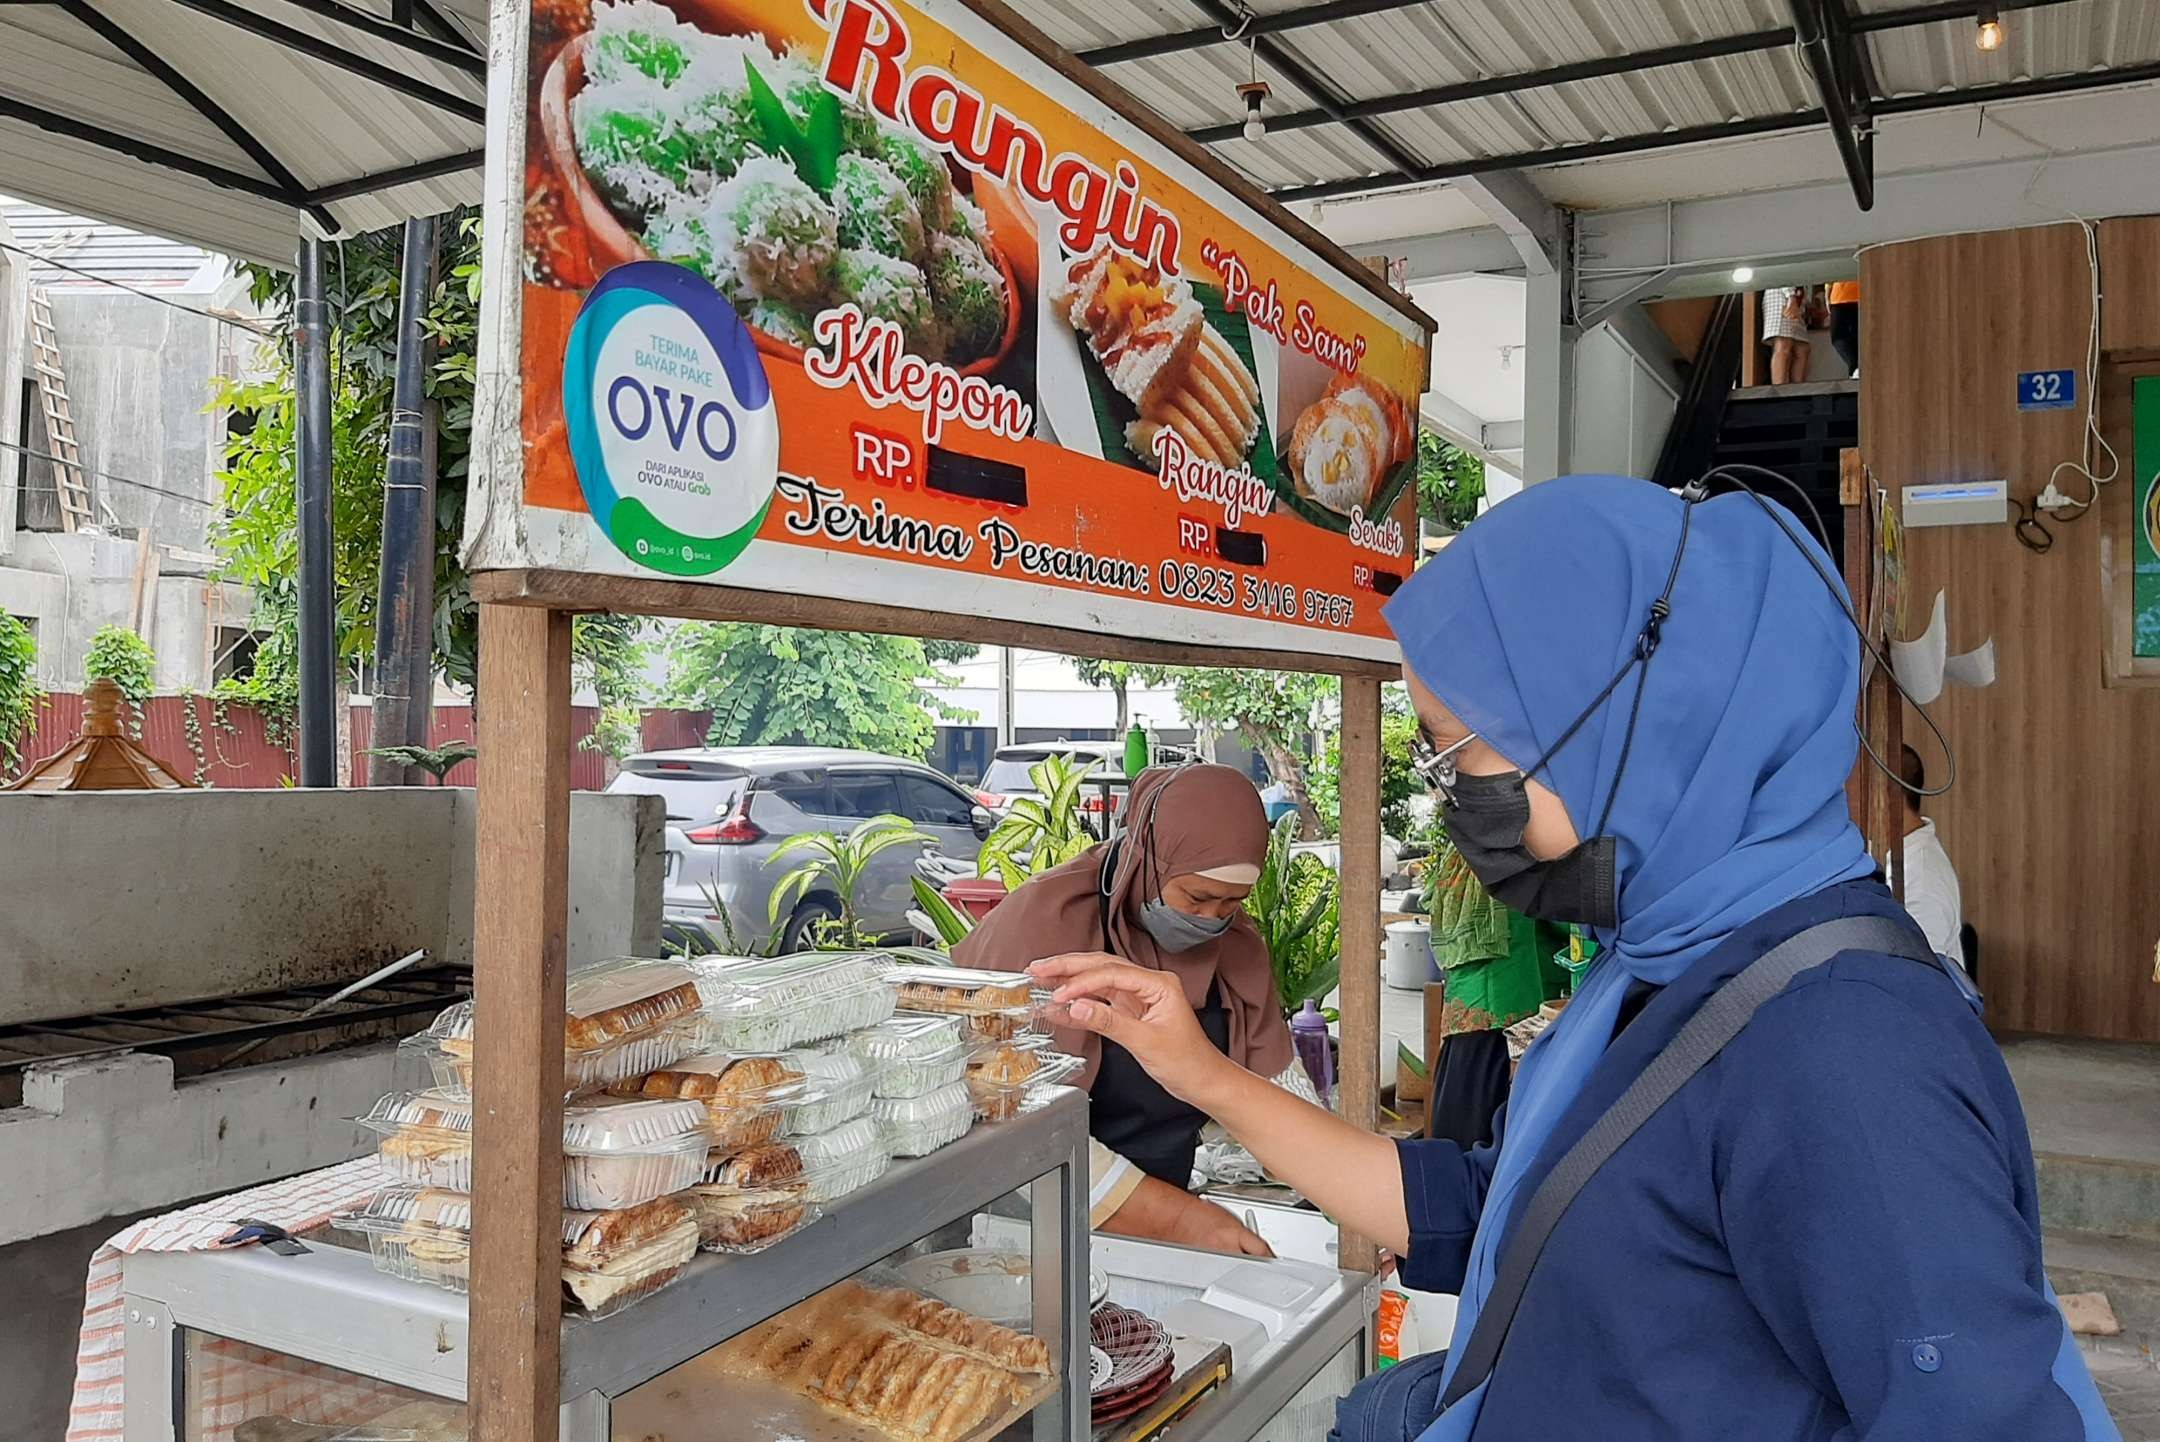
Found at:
<point>796,173</point>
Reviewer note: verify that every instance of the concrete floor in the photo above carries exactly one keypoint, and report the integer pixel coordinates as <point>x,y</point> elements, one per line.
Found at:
<point>2089,1099</point>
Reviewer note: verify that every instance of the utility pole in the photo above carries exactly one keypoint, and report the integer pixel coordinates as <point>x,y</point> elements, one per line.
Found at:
<point>405,600</point>
<point>311,471</point>
<point>1005,695</point>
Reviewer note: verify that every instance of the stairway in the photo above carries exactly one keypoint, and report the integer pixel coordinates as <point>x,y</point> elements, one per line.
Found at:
<point>2094,1112</point>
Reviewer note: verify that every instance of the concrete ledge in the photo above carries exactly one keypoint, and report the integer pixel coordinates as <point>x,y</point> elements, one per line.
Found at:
<point>114,1135</point>
<point>126,900</point>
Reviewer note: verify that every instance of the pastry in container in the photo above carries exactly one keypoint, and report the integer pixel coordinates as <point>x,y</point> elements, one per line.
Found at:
<point>744,1098</point>
<point>621,1019</point>
<point>918,1125</point>
<point>614,1154</point>
<point>912,1054</point>
<point>771,1005</point>
<point>845,1159</point>
<point>749,1201</point>
<point>1005,1080</point>
<point>623,1153</point>
<point>609,1260</point>
<point>838,1089</point>
<point>994,1005</point>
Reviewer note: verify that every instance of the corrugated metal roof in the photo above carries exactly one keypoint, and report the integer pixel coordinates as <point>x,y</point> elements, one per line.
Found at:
<point>325,125</point>
<point>1375,56</point>
<point>97,250</point>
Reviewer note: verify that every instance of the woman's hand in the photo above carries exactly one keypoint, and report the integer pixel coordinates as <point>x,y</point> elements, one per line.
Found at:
<point>1144,1012</point>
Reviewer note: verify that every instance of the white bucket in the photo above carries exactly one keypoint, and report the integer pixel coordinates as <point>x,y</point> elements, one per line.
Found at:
<point>1407,958</point>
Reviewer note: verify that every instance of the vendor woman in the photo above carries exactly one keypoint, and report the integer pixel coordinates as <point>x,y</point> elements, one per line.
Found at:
<point>1166,896</point>
<point>1827,1229</point>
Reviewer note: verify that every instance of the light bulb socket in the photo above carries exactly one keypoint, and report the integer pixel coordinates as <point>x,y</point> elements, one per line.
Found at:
<point>1253,92</point>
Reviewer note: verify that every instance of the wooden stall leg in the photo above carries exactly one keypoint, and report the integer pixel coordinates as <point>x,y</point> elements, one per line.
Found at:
<point>1360,873</point>
<point>521,887</point>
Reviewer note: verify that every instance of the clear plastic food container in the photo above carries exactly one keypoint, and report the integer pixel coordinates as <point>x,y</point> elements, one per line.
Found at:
<point>771,1005</point>
<point>744,1098</point>
<point>615,1154</point>
<point>844,1081</point>
<point>610,1258</point>
<point>845,1159</point>
<point>621,1019</point>
<point>917,1126</point>
<point>994,1005</point>
<point>912,1054</point>
<point>1007,1080</point>
<point>753,1199</point>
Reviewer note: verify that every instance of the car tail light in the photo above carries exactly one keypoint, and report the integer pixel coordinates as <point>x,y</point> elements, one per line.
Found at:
<point>990,799</point>
<point>1093,805</point>
<point>734,829</point>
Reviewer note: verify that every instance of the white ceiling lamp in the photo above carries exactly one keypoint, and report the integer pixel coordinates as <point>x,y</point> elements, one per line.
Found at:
<point>1253,91</point>
<point>1742,274</point>
<point>1988,34</point>
<point>1507,356</point>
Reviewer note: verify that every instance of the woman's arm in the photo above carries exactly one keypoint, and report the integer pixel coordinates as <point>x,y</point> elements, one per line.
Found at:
<point>1352,1175</point>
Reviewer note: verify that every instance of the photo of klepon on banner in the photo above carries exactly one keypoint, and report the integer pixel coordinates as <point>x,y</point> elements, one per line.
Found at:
<point>863,299</point>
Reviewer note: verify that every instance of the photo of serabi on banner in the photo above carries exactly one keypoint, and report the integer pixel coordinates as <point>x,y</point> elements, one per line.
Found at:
<point>867,300</point>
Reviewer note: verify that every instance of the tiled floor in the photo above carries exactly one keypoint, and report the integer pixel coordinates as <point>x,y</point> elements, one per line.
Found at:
<point>2129,1381</point>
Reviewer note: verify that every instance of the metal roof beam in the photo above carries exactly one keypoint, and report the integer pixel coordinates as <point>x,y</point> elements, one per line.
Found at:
<point>1490,85</point>
<point>1832,71</point>
<point>419,170</point>
<point>1558,155</point>
<point>1441,255</point>
<point>334,54</point>
<point>1272,24</point>
<point>1463,427</point>
<point>1758,125</point>
<point>1529,221</point>
<point>146,151</point>
<point>1813,231</point>
<point>156,65</point>
<point>460,57</point>
<point>1298,73</point>
<point>444,28</point>
<point>1749,43</point>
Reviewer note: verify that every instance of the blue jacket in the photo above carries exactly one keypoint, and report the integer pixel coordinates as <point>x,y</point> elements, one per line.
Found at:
<point>1831,1234</point>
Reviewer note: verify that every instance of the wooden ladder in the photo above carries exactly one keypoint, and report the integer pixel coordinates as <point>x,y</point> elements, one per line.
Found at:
<point>67,467</point>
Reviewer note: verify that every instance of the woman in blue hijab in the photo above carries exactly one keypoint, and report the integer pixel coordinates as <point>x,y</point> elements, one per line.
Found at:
<point>1829,1233</point>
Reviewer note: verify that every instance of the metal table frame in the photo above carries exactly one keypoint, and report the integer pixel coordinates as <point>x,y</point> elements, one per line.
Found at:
<point>331,1306</point>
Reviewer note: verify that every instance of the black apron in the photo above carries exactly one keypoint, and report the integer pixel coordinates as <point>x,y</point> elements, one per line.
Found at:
<point>1130,1113</point>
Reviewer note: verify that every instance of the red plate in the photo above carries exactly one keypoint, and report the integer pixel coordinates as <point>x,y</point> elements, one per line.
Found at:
<point>1138,1402</point>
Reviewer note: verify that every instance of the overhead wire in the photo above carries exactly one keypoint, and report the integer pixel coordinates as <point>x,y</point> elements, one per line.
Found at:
<point>221,317</point>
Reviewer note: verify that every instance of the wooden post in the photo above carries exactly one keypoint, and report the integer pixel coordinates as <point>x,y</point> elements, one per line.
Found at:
<point>1852,495</point>
<point>1360,909</point>
<point>521,886</point>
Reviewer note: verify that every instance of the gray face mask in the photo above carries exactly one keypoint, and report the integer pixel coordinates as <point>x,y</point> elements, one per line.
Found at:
<point>1176,930</point>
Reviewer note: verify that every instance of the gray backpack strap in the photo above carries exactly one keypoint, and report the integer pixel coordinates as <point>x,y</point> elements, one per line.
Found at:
<point>1717,1022</point>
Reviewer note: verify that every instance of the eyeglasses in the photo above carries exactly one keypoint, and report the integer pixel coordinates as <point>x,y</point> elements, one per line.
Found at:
<point>1436,766</point>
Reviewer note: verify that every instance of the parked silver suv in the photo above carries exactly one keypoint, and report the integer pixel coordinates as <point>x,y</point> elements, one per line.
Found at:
<point>730,808</point>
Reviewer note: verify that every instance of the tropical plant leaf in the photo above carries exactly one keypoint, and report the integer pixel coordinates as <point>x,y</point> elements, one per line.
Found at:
<point>821,166</point>
<point>781,132</point>
<point>939,917</point>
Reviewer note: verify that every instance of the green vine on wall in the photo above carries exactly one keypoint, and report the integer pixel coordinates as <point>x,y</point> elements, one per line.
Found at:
<point>20,694</point>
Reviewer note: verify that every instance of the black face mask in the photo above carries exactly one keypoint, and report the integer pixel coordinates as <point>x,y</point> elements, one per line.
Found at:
<point>1486,815</point>
<point>1486,822</point>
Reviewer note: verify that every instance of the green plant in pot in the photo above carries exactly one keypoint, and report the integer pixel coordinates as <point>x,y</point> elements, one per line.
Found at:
<point>1296,904</point>
<point>843,861</point>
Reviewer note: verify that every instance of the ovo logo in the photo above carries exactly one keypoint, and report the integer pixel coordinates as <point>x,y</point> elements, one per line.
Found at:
<point>672,425</point>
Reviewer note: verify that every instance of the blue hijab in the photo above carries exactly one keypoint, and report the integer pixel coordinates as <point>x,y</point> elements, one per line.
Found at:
<point>1733,800</point>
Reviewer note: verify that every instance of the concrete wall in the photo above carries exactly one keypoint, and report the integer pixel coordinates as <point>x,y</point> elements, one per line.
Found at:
<point>68,587</point>
<point>114,901</point>
<point>14,355</point>
<point>138,378</point>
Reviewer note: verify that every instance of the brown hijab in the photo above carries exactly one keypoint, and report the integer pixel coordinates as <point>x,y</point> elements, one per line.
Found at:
<point>1180,821</point>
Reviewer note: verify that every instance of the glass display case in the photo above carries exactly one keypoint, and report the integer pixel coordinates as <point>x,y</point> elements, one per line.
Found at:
<point>822,1336</point>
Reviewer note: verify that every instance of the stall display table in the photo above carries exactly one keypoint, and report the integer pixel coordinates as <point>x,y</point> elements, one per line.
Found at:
<point>325,1327</point>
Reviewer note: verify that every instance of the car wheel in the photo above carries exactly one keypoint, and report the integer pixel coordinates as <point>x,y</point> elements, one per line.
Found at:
<point>801,932</point>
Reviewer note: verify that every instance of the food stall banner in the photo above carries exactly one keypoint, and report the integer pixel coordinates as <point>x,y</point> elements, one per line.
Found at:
<point>865,300</point>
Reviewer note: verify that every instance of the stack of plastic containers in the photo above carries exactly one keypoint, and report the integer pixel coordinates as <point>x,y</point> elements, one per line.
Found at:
<point>627,1163</point>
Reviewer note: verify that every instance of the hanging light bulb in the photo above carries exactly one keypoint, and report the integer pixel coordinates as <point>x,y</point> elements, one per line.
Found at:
<point>1253,91</point>
<point>1742,274</point>
<point>1989,35</point>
